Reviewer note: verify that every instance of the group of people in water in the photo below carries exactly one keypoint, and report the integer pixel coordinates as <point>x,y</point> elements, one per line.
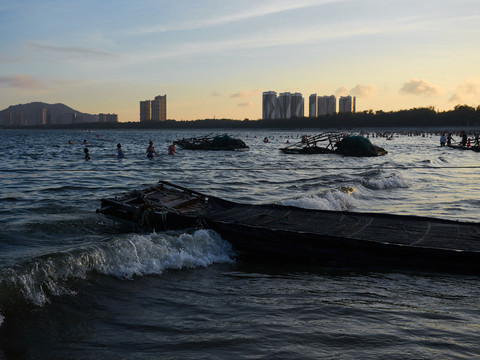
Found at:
<point>465,141</point>
<point>121,155</point>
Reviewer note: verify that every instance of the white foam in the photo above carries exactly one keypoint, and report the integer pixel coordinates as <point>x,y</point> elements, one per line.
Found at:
<point>153,253</point>
<point>124,257</point>
<point>1,319</point>
<point>390,182</point>
<point>336,200</point>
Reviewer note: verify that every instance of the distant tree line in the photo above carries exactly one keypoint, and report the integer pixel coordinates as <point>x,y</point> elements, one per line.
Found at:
<point>460,116</point>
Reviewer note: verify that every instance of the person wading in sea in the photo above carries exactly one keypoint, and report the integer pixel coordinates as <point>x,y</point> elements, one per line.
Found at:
<point>120,154</point>
<point>150,150</point>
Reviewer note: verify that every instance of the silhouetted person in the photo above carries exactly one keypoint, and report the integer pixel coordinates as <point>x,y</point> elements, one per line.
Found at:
<point>120,154</point>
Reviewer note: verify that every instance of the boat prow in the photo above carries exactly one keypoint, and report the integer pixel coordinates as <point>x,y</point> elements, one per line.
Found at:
<point>272,230</point>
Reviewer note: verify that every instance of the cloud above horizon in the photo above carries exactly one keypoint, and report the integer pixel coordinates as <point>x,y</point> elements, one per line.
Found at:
<point>259,10</point>
<point>467,91</point>
<point>420,87</point>
<point>71,50</point>
<point>341,91</point>
<point>245,104</point>
<point>245,94</point>
<point>22,82</point>
<point>363,90</point>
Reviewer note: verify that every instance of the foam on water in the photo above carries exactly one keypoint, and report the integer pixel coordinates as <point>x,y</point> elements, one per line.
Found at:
<point>154,253</point>
<point>40,279</point>
<point>337,200</point>
<point>392,181</point>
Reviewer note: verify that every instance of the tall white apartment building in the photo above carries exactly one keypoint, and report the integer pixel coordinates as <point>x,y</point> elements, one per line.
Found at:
<point>269,104</point>
<point>327,105</point>
<point>297,105</point>
<point>312,105</point>
<point>347,104</point>
<point>285,106</point>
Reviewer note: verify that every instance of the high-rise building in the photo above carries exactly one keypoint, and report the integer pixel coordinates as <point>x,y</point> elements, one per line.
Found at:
<point>159,108</point>
<point>327,105</point>
<point>154,109</point>
<point>269,103</point>
<point>145,110</point>
<point>312,105</point>
<point>347,104</point>
<point>284,106</point>
<point>297,105</point>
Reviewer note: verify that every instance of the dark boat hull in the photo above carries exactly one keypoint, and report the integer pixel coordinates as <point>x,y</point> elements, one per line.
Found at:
<point>276,231</point>
<point>461,147</point>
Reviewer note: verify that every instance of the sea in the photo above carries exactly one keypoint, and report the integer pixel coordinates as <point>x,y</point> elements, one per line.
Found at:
<point>76,285</point>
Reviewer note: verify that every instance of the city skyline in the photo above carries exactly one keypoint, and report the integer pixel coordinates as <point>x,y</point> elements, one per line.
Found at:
<point>215,58</point>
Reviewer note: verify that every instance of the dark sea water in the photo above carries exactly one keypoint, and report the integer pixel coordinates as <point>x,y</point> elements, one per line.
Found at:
<point>74,285</point>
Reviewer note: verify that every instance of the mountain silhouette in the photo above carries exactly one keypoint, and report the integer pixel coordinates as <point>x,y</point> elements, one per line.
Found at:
<point>31,114</point>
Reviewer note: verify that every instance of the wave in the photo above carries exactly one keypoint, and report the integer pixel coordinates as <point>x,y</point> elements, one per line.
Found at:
<point>37,280</point>
<point>337,200</point>
<point>392,181</point>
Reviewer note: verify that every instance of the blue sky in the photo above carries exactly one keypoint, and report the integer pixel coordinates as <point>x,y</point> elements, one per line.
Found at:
<point>216,57</point>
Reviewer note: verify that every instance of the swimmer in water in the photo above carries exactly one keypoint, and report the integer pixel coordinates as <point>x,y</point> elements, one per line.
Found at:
<point>120,154</point>
<point>150,150</point>
<point>87,155</point>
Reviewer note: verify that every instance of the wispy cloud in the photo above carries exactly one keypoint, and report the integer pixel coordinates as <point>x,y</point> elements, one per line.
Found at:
<point>313,34</point>
<point>22,82</point>
<point>245,104</point>
<point>245,94</point>
<point>420,87</point>
<point>71,50</point>
<point>259,10</point>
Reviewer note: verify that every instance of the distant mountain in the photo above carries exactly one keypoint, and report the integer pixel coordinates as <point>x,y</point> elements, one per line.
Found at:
<point>35,113</point>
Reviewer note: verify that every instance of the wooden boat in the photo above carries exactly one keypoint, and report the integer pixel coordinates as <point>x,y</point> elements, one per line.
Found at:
<point>475,148</point>
<point>326,143</point>
<point>210,142</point>
<point>277,231</point>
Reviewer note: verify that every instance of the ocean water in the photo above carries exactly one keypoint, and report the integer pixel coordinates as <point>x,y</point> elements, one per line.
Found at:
<point>74,285</point>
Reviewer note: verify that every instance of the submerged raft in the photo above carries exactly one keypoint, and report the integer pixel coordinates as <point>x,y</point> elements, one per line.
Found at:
<point>326,143</point>
<point>333,237</point>
<point>209,142</point>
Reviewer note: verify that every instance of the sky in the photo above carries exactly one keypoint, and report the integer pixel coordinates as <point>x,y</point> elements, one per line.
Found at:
<point>215,58</point>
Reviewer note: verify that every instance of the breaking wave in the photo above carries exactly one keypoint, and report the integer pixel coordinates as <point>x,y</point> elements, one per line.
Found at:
<point>38,280</point>
<point>392,181</point>
<point>336,200</point>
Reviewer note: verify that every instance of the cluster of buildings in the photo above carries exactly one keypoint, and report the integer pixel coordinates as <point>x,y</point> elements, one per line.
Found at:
<point>45,116</point>
<point>155,109</point>
<point>284,106</point>
<point>291,105</point>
